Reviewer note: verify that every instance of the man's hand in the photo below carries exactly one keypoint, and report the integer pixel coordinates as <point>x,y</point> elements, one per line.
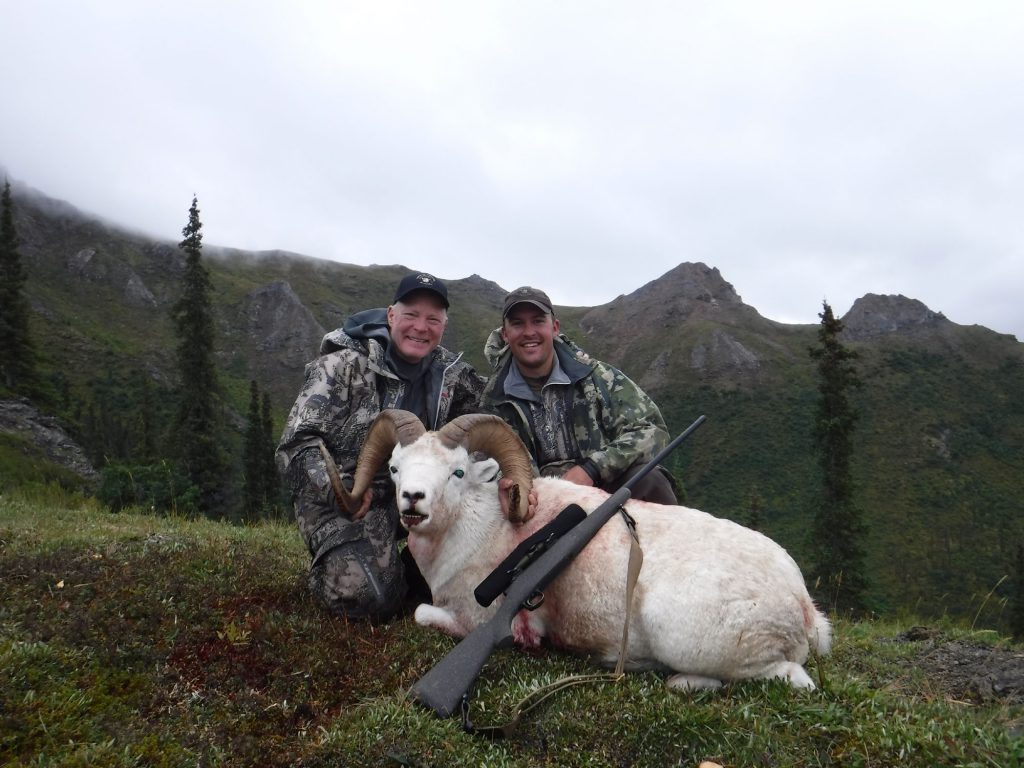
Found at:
<point>360,513</point>
<point>504,487</point>
<point>579,476</point>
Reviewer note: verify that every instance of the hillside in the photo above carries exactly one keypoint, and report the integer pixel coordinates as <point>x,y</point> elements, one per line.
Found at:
<point>132,639</point>
<point>939,447</point>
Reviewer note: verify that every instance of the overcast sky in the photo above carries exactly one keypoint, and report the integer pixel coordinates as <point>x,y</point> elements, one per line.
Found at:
<point>808,150</point>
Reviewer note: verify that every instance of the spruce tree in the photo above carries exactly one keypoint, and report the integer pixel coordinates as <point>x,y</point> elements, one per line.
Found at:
<point>17,358</point>
<point>837,532</point>
<point>755,510</point>
<point>253,464</point>
<point>271,481</point>
<point>146,448</point>
<point>198,433</point>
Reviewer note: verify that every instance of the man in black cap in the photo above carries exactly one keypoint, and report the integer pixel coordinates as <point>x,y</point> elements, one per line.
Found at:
<point>380,358</point>
<point>581,419</point>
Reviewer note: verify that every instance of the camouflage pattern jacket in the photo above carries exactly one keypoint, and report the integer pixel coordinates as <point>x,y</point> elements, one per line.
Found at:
<point>344,390</point>
<point>616,424</point>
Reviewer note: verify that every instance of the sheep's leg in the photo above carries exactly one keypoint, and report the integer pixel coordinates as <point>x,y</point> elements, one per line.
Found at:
<point>684,682</point>
<point>431,616</point>
<point>792,673</point>
<point>527,630</point>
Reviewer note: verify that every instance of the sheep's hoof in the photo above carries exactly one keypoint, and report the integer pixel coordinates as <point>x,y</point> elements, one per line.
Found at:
<point>795,675</point>
<point>683,682</point>
<point>428,615</point>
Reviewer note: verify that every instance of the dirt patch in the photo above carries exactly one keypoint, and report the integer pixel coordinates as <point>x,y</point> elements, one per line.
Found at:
<point>967,671</point>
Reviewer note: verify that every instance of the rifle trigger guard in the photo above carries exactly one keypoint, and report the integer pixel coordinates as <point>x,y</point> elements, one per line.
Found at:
<point>534,601</point>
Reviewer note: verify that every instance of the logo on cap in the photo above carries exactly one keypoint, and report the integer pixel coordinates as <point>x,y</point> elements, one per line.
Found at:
<point>418,281</point>
<point>527,295</point>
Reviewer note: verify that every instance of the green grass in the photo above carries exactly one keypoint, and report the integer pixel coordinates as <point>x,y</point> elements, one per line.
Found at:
<point>129,639</point>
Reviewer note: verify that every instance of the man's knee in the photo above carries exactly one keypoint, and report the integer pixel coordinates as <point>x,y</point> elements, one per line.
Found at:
<point>350,581</point>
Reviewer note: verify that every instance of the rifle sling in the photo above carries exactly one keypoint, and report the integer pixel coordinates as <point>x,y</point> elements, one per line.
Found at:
<point>539,695</point>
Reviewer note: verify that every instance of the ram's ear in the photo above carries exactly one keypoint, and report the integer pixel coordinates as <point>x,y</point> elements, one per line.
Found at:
<point>484,471</point>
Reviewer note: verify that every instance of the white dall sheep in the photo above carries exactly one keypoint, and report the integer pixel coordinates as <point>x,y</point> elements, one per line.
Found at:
<point>714,602</point>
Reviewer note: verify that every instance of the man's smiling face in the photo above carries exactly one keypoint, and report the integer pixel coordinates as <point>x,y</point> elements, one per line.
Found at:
<point>417,323</point>
<point>530,334</point>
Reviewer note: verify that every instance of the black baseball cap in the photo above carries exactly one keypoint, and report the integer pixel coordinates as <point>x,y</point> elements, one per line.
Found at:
<point>421,281</point>
<point>527,295</point>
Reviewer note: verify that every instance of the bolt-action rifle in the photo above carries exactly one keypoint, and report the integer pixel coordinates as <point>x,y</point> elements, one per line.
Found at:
<point>445,687</point>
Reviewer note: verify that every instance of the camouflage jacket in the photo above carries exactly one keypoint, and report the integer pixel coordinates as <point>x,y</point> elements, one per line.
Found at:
<point>344,390</point>
<point>614,422</point>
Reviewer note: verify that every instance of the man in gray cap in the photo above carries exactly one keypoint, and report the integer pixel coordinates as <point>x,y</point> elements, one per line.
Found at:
<point>581,419</point>
<point>380,358</point>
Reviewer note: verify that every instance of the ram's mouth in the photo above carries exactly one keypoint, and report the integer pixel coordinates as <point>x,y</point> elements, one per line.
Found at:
<point>411,518</point>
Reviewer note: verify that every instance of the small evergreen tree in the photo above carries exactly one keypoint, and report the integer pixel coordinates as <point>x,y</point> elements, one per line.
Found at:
<point>261,486</point>
<point>271,481</point>
<point>755,510</point>
<point>837,532</point>
<point>197,429</point>
<point>17,357</point>
<point>146,448</point>
<point>252,460</point>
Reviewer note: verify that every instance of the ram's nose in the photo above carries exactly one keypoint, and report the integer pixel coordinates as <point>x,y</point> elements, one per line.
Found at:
<point>411,517</point>
<point>411,497</point>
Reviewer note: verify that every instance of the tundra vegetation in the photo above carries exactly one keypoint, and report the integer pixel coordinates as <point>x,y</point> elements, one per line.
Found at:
<point>135,639</point>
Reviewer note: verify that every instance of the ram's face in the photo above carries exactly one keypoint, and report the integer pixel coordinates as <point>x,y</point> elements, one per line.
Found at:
<point>431,482</point>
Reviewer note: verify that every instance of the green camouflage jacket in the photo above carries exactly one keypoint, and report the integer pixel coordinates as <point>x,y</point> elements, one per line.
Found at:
<point>615,423</point>
<point>344,390</point>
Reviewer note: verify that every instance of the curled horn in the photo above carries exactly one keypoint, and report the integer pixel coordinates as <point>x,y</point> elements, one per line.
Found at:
<point>391,427</point>
<point>491,435</point>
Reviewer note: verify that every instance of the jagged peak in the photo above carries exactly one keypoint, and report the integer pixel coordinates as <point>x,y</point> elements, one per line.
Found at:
<point>690,289</point>
<point>478,285</point>
<point>878,315</point>
<point>695,281</point>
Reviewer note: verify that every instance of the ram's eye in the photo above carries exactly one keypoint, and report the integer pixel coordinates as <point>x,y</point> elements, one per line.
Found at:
<point>393,469</point>
<point>459,473</point>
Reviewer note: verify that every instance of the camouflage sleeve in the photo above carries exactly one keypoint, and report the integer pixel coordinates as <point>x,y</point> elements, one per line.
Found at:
<point>468,389</point>
<point>632,423</point>
<point>316,508</point>
<point>335,393</point>
<point>337,403</point>
<point>312,497</point>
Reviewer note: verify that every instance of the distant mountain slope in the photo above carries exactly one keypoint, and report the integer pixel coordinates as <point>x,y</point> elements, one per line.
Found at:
<point>940,443</point>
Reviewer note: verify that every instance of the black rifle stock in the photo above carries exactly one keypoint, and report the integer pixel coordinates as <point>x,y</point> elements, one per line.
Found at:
<point>442,689</point>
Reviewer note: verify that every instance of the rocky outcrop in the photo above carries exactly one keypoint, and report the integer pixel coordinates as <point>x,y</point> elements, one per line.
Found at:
<point>278,324</point>
<point>873,315</point>
<point>87,264</point>
<point>20,417</point>
<point>721,353</point>
<point>479,287</point>
<point>281,335</point>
